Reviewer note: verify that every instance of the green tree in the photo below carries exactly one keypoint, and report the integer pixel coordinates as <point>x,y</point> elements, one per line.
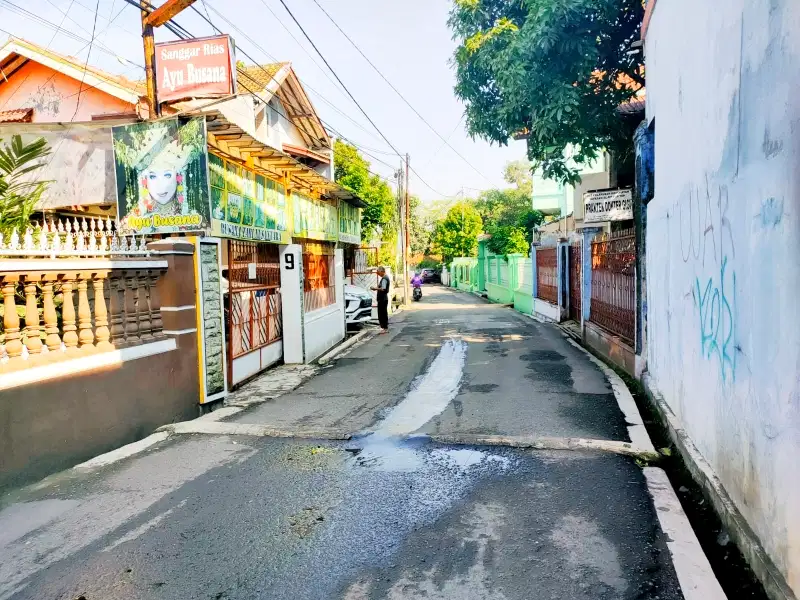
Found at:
<point>351,171</point>
<point>18,193</point>
<point>508,208</point>
<point>457,234</point>
<point>519,172</point>
<point>421,227</point>
<point>554,69</point>
<point>508,239</point>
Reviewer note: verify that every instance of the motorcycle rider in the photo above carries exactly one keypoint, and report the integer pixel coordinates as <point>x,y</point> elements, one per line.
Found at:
<point>416,282</point>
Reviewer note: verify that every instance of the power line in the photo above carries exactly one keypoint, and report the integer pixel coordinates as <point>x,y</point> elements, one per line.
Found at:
<point>86,64</point>
<point>396,91</point>
<point>327,64</point>
<point>272,58</point>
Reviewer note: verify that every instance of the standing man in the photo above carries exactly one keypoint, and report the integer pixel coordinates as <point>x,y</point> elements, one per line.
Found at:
<point>383,299</point>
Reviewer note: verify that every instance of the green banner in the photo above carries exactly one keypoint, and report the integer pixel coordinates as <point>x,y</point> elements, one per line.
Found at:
<point>314,219</point>
<point>246,205</point>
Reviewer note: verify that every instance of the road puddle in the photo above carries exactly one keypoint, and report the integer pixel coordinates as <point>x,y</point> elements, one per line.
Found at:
<point>392,445</point>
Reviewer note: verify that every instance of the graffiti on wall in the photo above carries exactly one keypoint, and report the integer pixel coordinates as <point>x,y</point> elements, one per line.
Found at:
<point>707,243</point>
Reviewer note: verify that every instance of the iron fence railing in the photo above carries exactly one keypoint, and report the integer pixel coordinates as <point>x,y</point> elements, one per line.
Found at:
<point>547,275</point>
<point>575,280</point>
<point>613,301</point>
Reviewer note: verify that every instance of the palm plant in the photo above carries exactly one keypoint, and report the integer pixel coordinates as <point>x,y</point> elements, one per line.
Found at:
<point>18,193</point>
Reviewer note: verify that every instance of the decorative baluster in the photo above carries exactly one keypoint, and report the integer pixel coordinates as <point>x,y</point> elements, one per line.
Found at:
<point>131,308</point>
<point>33,332</point>
<point>123,244</point>
<point>55,245</point>
<point>69,241</point>
<point>102,235</point>
<point>68,313</point>
<point>11,318</point>
<point>101,331</point>
<point>14,245</point>
<point>85,335</point>
<point>117,304</point>
<point>27,240</point>
<point>52,339</point>
<point>145,326</point>
<point>92,235</point>
<point>155,305</point>
<point>80,244</point>
<point>44,243</point>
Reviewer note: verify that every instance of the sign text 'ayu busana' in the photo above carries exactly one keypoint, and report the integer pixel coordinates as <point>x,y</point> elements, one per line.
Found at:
<point>201,67</point>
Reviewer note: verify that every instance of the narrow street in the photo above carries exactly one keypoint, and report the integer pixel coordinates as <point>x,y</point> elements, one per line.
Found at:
<point>391,513</point>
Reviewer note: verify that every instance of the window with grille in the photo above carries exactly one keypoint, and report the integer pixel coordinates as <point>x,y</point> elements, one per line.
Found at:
<point>319,275</point>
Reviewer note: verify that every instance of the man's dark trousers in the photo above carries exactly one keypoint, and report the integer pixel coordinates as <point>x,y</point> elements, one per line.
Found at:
<point>383,313</point>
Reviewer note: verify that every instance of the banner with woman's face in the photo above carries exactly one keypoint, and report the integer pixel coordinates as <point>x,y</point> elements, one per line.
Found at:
<point>162,176</point>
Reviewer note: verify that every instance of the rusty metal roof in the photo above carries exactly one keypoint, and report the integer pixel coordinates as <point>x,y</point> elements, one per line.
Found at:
<point>17,115</point>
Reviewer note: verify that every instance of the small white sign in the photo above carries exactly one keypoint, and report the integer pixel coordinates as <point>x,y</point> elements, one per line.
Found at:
<point>607,205</point>
<point>251,270</point>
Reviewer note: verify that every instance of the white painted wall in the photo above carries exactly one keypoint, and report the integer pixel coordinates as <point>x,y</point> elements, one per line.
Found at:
<point>292,302</point>
<point>723,248</point>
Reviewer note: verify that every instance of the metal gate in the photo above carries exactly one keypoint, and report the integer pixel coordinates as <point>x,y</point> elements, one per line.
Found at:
<point>253,301</point>
<point>614,283</point>
<point>360,265</point>
<point>575,281</point>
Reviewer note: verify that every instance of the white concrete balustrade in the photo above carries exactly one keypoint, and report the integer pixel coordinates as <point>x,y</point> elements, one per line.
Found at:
<point>95,292</point>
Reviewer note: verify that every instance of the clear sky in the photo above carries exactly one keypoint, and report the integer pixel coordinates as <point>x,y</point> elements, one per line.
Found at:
<point>408,40</point>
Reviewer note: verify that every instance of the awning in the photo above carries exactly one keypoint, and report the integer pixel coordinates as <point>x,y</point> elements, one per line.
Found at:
<point>232,140</point>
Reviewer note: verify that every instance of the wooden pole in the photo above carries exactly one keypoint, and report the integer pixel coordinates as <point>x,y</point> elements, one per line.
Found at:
<point>154,110</point>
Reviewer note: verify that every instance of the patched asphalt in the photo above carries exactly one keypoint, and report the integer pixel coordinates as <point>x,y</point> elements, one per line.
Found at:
<point>376,517</point>
<point>288,520</point>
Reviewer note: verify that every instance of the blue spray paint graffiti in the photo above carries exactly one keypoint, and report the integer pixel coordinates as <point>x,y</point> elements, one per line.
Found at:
<point>717,312</point>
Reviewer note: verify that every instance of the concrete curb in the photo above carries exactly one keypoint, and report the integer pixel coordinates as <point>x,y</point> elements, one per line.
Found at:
<point>636,429</point>
<point>696,578</point>
<point>346,345</point>
<point>732,520</point>
<point>123,452</point>
<point>251,429</point>
<point>548,443</point>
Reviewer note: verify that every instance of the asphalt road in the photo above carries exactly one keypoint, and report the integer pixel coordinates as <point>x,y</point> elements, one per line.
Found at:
<point>387,515</point>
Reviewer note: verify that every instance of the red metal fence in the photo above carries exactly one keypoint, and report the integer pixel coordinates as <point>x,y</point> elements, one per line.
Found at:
<point>614,284</point>
<point>547,274</point>
<point>575,280</point>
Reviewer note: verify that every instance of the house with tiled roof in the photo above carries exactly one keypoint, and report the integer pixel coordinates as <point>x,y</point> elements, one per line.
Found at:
<point>38,85</point>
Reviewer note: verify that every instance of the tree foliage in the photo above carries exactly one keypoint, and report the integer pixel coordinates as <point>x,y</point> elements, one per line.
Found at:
<point>351,171</point>
<point>457,234</point>
<point>520,173</point>
<point>508,239</point>
<point>554,69</point>
<point>20,194</point>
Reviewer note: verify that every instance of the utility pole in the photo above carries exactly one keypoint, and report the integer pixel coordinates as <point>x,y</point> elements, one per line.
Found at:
<point>151,20</point>
<point>407,239</point>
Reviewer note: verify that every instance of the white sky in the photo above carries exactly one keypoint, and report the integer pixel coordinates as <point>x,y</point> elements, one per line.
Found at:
<point>407,39</point>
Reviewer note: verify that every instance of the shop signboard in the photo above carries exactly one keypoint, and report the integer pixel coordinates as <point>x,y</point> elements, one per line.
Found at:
<point>246,205</point>
<point>314,219</point>
<point>162,176</point>
<point>196,68</point>
<point>349,223</point>
<point>607,205</point>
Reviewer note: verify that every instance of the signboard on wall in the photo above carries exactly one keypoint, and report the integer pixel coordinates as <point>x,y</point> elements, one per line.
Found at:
<point>162,175</point>
<point>349,223</point>
<point>246,205</point>
<point>608,205</point>
<point>315,219</point>
<point>197,68</point>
